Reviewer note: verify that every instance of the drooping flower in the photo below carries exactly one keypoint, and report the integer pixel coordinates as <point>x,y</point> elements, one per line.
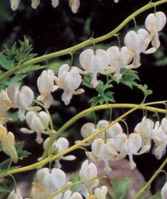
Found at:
<point>14,4</point>
<point>70,195</point>
<point>48,182</point>
<point>15,194</point>
<point>137,43</point>
<point>160,138</point>
<point>94,63</point>
<point>59,146</point>
<point>88,174</point>
<point>119,58</point>
<point>69,80</point>
<point>46,85</point>
<point>145,129</point>
<point>154,23</point>
<point>74,5</point>
<point>38,122</point>
<point>35,3</point>
<point>132,146</point>
<point>164,191</point>
<point>101,192</point>
<point>7,140</point>
<point>55,3</point>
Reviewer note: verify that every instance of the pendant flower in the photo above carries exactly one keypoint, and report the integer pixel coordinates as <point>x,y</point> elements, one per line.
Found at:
<point>94,63</point>
<point>46,85</point>
<point>74,5</point>
<point>48,182</point>
<point>7,140</point>
<point>38,122</point>
<point>69,80</point>
<point>15,194</point>
<point>137,43</point>
<point>154,23</point>
<point>119,58</point>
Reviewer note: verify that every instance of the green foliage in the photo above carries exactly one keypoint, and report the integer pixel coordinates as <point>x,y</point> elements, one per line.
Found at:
<point>13,56</point>
<point>105,95</point>
<point>22,153</point>
<point>129,78</point>
<point>19,52</point>
<point>120,188</point>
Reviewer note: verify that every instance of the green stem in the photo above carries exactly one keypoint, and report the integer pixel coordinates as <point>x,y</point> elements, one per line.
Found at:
<point>93,109</point>
<point>50,158</point>
<point>146,186</point>
<point>83,44</point>
<point>81,143</point>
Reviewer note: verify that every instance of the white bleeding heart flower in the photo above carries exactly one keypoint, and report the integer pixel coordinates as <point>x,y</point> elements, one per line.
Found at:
<point>164,191</point>
<point>88,174</point>
<point>25,97</point>
<point>7,140</point>
<point>87,129</point>
<point>154,23</point>
<point>15,194</point>
<point>38,122</point>
<point>35,4</point>
<point>74,5</point>
<point>13,97</point>
<point>14,4</point>
<point>101,192</point>
<point>160,138</point>
<point>145,129</point>
<point>132,146</point>
<point>69,80</point>
<point>55,3</point>
<point>94,62</point>
<point>48,182</point>
<point>119,58</point>
<point>60,145</point>
<point>137,43</point>
<point>70,195</point>
<point>46,85</point>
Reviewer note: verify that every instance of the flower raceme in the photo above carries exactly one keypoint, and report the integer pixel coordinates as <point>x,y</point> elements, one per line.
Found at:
<point>114,144</point>
<point>74,4</point>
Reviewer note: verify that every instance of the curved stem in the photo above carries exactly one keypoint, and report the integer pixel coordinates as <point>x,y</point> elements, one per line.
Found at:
<point>93,109</point>
<point>146,186</point>
<point>50,158</point>
<point>45,161</point>
<point>83,44</point>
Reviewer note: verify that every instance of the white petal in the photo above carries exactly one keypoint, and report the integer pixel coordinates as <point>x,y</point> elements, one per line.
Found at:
<point>15,195</point>
<point>35,3</point>
<point>85,59</point>
<point>25,97</point>
<point>101,192</point>
<point>164,191</point>
<point>55,3</point>
<point>58,178</point>
<point>87,129</point>
<point>61,144</point>
<point>14,4</point>
<point>74,4</point>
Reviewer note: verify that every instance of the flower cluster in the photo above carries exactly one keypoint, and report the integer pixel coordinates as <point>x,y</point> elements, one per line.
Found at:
<point>48,183</point>
<point>74,4</point>
<point>114,59</point>
<point>114,144</point>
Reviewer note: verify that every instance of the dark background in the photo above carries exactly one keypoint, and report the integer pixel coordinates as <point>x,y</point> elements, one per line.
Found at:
<point>52,29</point>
